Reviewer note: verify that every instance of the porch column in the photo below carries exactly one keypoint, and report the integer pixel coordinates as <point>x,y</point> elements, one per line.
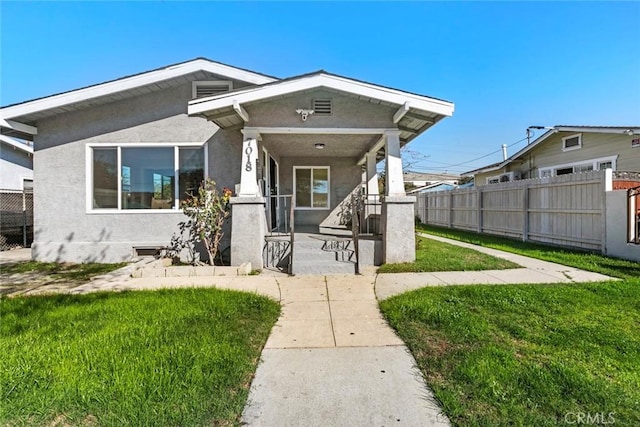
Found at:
<point>398,229</point>
<point>372,175</point>
<point>248,222</point>
<point>249,176</point>
<point>394,180</point>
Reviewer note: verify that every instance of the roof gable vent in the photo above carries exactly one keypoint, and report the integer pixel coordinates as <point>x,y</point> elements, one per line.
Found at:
<point>203,89</point>
<point>322,107</point>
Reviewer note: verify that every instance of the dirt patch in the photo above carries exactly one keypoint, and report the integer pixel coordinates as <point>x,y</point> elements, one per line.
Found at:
<point>35,283</point>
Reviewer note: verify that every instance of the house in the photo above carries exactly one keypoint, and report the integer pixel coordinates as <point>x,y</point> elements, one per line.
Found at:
<point>16,164</point>
<point>16,197</point>
<point>113,160</point>
<point>436,186</point>
<point>568,149</point>
<point>413,180</point>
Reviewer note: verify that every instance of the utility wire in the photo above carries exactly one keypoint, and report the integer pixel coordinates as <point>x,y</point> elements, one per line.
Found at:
<point>450,166</point>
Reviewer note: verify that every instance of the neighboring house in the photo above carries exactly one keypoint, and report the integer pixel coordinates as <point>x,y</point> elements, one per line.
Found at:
<point>565,150</point>
<point>113,160</point>
<point>16,164</point>
<point>16,197</point>
<point>436,186</point>
<point>419,179</point>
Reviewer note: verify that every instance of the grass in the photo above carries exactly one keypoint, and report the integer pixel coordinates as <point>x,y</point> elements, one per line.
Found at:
<point>432,255</point>
<point>62,271</point>
<point>584,260</point>
<point>526,354</point>
<point>170,357</point>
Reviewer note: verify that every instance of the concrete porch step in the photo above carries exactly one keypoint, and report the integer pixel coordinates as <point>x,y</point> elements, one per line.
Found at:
<point>318,255</point>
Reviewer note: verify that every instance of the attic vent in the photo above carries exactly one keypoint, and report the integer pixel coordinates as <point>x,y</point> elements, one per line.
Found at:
<point>204,89</point>
<point>322,107</point>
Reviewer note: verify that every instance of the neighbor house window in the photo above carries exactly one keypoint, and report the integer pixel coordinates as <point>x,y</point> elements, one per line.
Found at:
<point>605,165</point>
<point>572,142</point>
<point>312,187</point>
<point>155,177</point>
<point>577,167</point>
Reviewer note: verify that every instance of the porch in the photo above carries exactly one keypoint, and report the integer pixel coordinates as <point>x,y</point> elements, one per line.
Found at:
<point>307,173</point>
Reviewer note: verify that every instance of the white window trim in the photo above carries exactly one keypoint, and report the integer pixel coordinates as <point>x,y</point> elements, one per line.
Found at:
<point>577,147</point>
<point>26,178</point>
<point>593,162</point>
<point>304,208</point>
<point>89,209</point>
<point>490,178</point>
<point>195,84</point>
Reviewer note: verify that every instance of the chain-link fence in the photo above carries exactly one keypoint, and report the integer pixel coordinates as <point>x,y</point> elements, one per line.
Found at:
<point>16,219</point>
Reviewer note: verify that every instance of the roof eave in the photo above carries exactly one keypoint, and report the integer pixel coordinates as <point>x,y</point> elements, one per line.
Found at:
<point>416,102</point>
<point>126,83</point>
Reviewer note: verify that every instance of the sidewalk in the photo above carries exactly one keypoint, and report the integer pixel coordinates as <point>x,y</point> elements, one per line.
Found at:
<point>532,271</point>
<point>332,360</point>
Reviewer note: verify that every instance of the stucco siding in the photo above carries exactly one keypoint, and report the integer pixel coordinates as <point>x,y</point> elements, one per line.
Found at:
<point>345,175</point>
<point>64,231</point>
<point>15,165</point>
<point>347,112</point>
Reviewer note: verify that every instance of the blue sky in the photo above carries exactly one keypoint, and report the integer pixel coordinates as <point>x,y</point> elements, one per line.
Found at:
<point>505,65</point>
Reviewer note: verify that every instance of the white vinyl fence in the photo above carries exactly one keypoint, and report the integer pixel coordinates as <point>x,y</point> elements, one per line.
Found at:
<point>567,210</point>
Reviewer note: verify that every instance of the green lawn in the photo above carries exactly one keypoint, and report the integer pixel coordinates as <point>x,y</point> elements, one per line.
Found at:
<point>533,355</point>
<point>528,354</point>
<point>432,255</point>
<point>168,358</point>
<point>574,258</point>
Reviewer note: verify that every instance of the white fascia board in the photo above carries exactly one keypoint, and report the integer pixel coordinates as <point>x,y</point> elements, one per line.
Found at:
<point>16,144</point>
<point>602,129</point>
<point>20,127</point>
<point>131,83</point>
<point>316,131</point>
<point>322,80</point>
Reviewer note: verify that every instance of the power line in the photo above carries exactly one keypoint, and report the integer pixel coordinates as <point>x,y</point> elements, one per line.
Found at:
<point>449,166</point>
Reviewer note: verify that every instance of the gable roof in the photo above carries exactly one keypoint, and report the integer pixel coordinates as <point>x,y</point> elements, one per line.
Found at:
<point>30,110</point>
<point>320,79</point>
<point>626,130</point>
<point>416,113</point>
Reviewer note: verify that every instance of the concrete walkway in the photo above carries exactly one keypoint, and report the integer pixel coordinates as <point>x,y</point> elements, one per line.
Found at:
<point>532,271</point>
<point>332,360</point>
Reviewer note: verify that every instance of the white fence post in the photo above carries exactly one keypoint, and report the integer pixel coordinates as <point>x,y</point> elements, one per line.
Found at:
<point>525,213</point>
<point>479,209</point>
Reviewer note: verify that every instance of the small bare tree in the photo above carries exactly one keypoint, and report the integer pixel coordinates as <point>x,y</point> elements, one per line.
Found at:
<point>207,212</point>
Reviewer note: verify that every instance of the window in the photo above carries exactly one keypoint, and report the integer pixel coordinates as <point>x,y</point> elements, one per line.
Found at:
<point>154,177</point>
<point>564,171</point>
<point>572,142</point>
<point>577,167</point>
<point>27,184</point>
<point>605,165</point>
<point>312,187</point>
<point>203,89</point>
